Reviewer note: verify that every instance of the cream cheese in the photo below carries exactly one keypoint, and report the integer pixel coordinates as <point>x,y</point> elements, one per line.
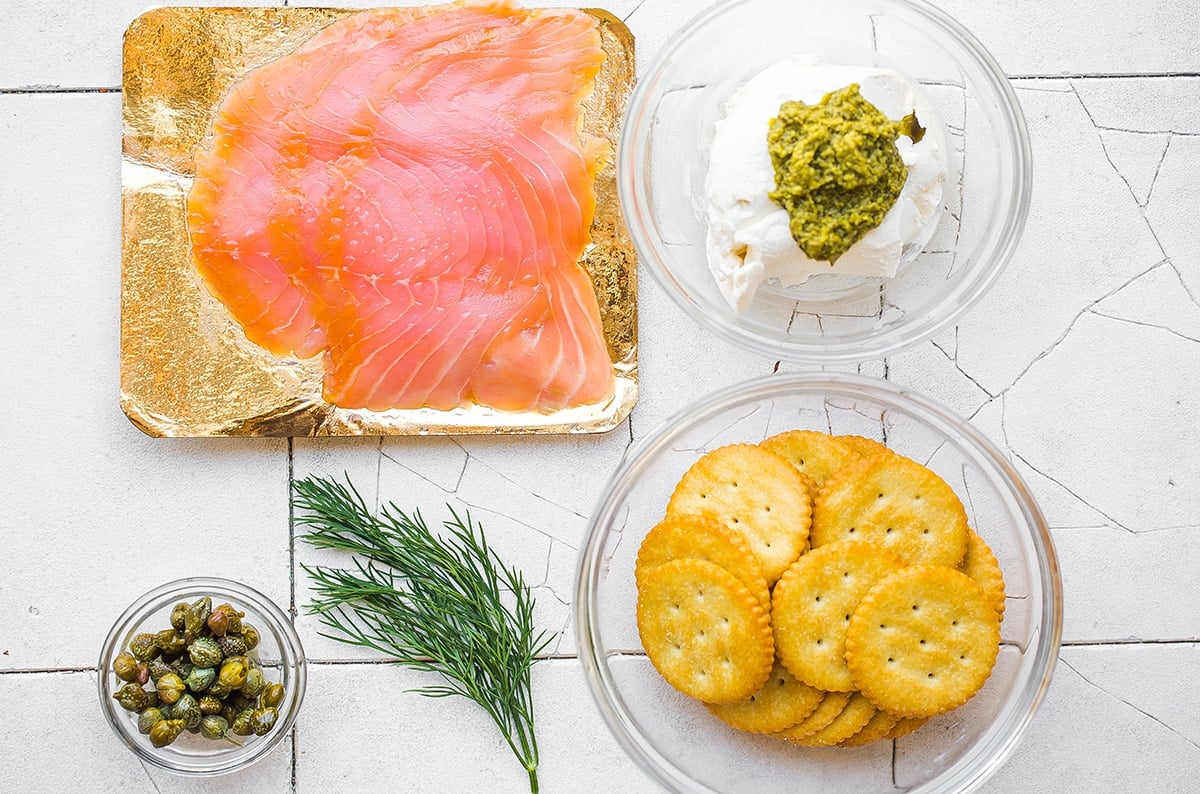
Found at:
<point>748,240</point>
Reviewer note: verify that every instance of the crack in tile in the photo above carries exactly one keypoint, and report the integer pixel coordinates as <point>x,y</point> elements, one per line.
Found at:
<point>1172,132</point>
<point>619,531</point>
<point>1150,531</point>
<point>478,508</point>
<point>379,456</point>
<point>704,446</point>
<point>149,776</point>
<point>1144,324</point>
<point>1117,170</point>
<point>1139,205</point>
<point>561,632</point>
<point>379,475</point>
<point>1071,325</point>
<point>1041,89</point>
<point>1178,275</point>
<point>1154,179</point>
<point>510,481</point>
<point>1115,523</point>
<point>549,556</point>
<point>562,635</point>
<point>1139,710</point>
<point>634,11</point>
<point>953,359</point>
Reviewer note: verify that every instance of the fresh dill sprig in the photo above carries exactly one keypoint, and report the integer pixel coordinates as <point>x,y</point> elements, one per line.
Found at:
<point>436,602</point>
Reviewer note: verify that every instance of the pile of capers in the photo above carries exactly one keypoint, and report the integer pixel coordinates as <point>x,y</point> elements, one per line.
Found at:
<point>203,679</point>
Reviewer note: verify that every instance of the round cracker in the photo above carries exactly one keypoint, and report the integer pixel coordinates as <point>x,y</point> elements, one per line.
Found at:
<point>816,454</point>
<point>880,725</point>
<point>685,537</point>
<point>981,565</point>
<point>781,703</point>
<point>851,720</point>
<point>810,485</point>
<point>826,712</point>
<point>812,604</point>
<point>867,447</point>
<point>905,726</point>
<point>922,641</point>
<point>754,492</point>
<point>897,503</point>
<point>704,631</point>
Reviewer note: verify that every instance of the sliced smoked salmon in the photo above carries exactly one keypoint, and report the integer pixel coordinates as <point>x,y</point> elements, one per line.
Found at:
<point>407,194</point>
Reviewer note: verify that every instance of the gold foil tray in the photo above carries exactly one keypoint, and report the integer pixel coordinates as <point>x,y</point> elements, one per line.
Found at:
<point>186,367</point>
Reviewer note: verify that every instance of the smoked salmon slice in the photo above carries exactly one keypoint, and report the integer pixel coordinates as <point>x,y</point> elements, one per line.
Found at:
<point>408,195</point>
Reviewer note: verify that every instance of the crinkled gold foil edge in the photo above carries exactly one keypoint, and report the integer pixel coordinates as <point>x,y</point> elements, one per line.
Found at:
<point>186,367</point>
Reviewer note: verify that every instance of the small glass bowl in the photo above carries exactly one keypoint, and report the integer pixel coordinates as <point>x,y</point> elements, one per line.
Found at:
<point>663,161</point>
<point>674,738</point>
<point>278,651</point>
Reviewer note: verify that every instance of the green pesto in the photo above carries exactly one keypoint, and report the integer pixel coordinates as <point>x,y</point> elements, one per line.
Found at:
<point>837,169</point>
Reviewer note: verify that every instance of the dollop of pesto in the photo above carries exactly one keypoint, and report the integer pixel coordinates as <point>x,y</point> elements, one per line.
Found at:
<point>837,170</point>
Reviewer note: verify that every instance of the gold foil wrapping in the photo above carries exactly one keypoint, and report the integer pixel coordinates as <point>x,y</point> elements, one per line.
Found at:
<point>186,367</point>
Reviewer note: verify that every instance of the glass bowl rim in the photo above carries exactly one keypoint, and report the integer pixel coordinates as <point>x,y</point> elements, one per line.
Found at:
<point>1047,626</point>
<point>632,196</point>
<point>242,595</point>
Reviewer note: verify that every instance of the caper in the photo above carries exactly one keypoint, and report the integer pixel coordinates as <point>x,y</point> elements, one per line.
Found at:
<point>187,708</point>
<point>203,681</point>
<point>125,666</point>
<point>132,697</point>
<point>218,623</point>
<point>171,642</point>
<point>143,647</point>
<point>158,668</point>
<point>263,720</point>
<point>232,645</point>
<point>216,727</point>
<point>254,683</point>
<point>250,636</point>
<point>210,704</point>
<point>149,718</point>
<point>178,614</point>
<point>233,618</point>
<point>195,616</point>
<point>166,731</point>
<point>205,652</point>
<point>201,678</point>
<point>170,687</point>
<point>272,695</point>
<point>219,690</point>
<point>242,724</point>
<point>233,672</point>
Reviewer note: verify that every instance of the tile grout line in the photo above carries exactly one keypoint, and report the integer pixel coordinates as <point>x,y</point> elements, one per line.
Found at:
<point>53,89</point>
<point>1032,76</point>
<point>573,657</point>
<point>1102,75</point>
<point>291,522</point>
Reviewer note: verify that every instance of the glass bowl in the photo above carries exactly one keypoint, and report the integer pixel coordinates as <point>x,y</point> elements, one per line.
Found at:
<point>278,651</point>
<point>663,160</point>
<point>674,738</point>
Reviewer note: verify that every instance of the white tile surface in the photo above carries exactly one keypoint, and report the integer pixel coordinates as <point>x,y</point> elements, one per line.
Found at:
<point>1081,364</point>
<point>88,497</point>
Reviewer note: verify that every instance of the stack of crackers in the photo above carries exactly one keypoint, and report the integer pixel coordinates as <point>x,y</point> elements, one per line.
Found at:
<point>822,589</point>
